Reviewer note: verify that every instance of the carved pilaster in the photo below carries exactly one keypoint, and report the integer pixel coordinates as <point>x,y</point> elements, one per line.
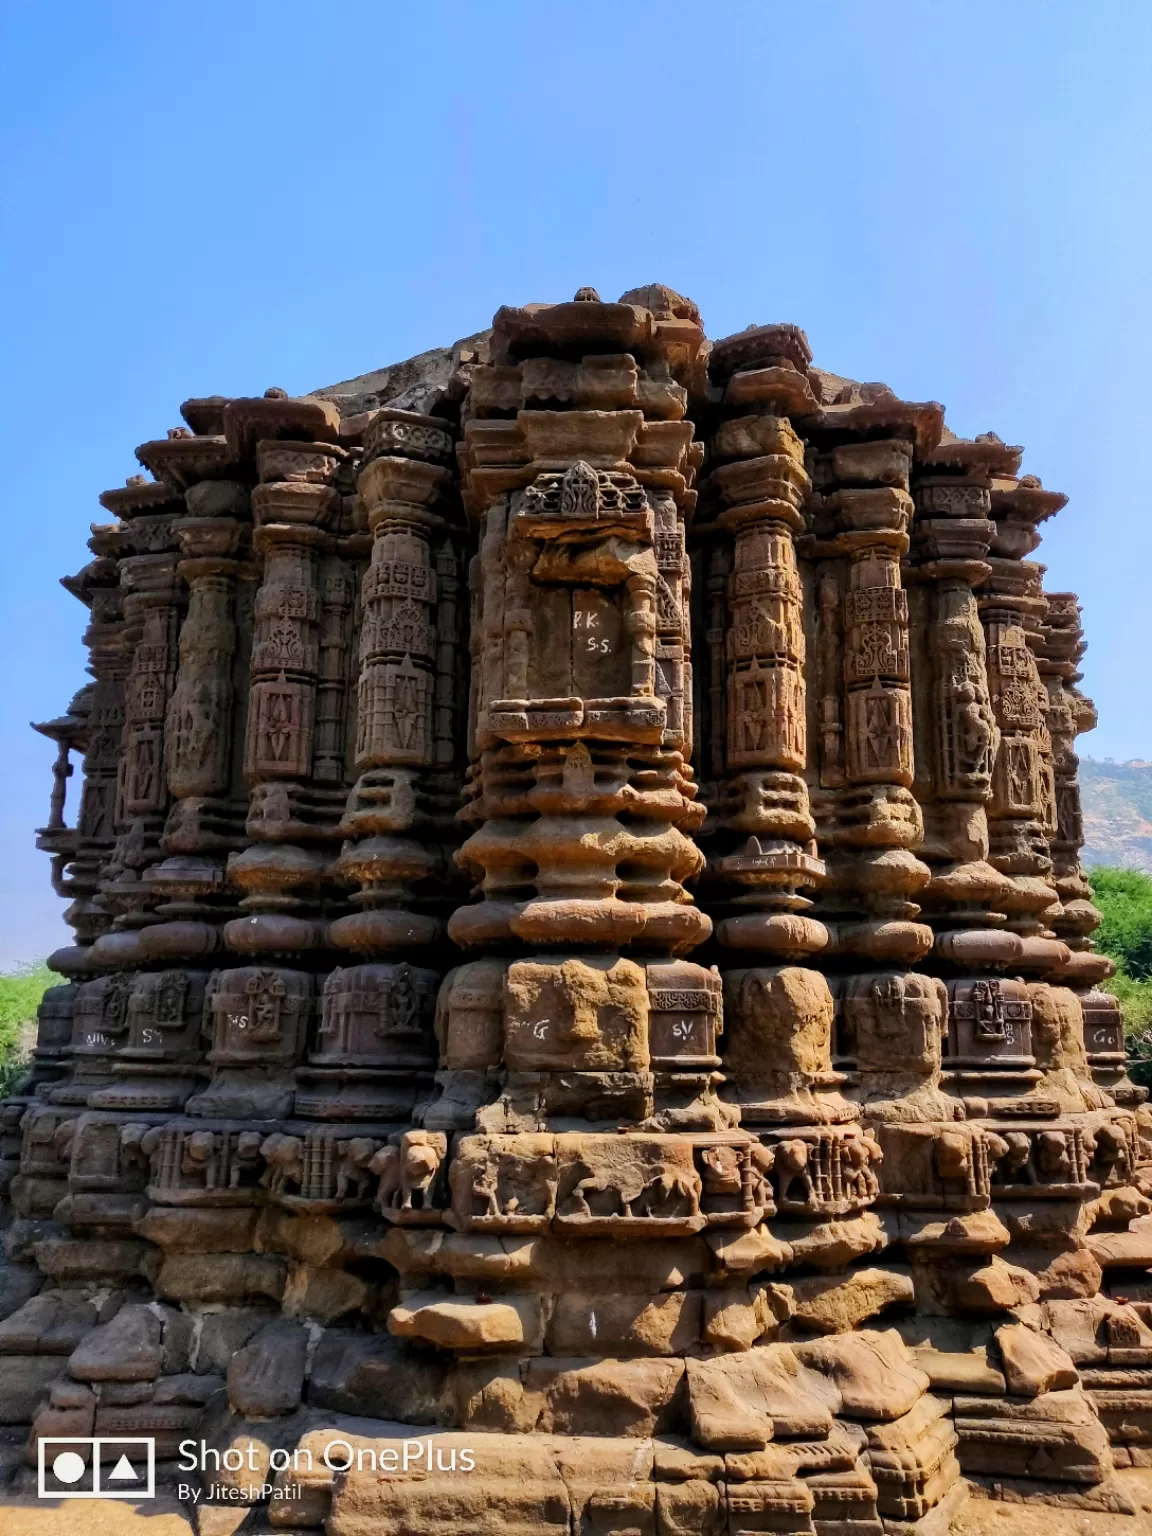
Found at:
<point>761,837</point>
<point>294,508</point>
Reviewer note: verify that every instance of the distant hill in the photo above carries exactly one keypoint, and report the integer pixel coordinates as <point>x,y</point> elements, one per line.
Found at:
<point>1117,813</point>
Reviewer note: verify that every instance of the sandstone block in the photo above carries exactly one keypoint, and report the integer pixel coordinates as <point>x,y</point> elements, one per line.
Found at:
<point>739,1402</point>
<point>996,1287</point>
<point>667,1323</point>
<point>604,1397</point>
<point>24,1383</point>
<point>233,1278</point>
<point>221,1334</point>
<point>126,1349</point>
<point>52,1323</point>
<point>838,1304</point>
<point>512,1323</point>
<point>488,1394</point>
<point>178,1229</point>
<point>873,1373</point>
<point>378,1377</point>
<point>1033,1363</point>
<point>266,1376</point>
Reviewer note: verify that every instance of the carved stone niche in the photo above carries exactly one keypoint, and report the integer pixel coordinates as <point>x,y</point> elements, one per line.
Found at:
<point>321,1169</point>
<point>54,1021</point>
<point>470,1016</point>
<point>375,1045</point>
<point>580,612</point>
<point>107,1174</point>
<point>566,1015</point>
<point>45,1157</point>
<point>778,1055</point>
<point>1103,1031</point>
<point>155,1068</point>
<point>1105,1049</point>
<point>470,1032</point>
<point>99,1027</point>
<point>685,1016</point>
<point>891,1025</point>
<point>192,1163</point>
<point>989,1031</point>
<point>938,1167</point>
<point>258,1020</point>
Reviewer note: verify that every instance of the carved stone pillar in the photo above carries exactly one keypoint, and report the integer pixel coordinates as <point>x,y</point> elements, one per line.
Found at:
<point>878,722</point>
<point>107,642</point>
<point>200,740</point>
<point>375,1052</point>
<point>762,832</point>
<point>955,731</point>
<point>152,594</point>
<point>1070,713</point>
<point>1018,808</point>
<point>70,733</point>
<point>293,508</point>
<point>403,489</point>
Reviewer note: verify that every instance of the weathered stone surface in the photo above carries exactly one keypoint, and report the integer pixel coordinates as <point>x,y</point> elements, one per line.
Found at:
<point>377,1378</point>
<point>220,1335</point>
<point>24,1383</point>
<point>1033,1363</point>
<point>52,1323</point>
<point>737,1319</point>
<point>1124,1250</point>
<point>470,1327</point>
<point>667,1323</point>
<point>266,1376</point>
<point>176,1230</point>
<point>18,1283</point>
<point>187,1388</point>
<point>831,1304</point>
<point>873,1373</point>
<point>633,1398</point>
<point>221,1277</point>
<point>996,1287</point>
<point>740,1402</point>
<point>126,1349</point>
<point>1054,1437</point>
<point>520,1489</point>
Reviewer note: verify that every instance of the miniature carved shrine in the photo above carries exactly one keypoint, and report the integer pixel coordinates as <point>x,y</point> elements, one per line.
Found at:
<point>581,959</point>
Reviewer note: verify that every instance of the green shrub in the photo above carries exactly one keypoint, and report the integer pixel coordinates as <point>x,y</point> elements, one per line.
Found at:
<point>20,994</point>
<point>1124,897</point>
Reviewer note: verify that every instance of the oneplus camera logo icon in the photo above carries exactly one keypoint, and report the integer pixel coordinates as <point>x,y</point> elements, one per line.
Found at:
<point>79,1467</point>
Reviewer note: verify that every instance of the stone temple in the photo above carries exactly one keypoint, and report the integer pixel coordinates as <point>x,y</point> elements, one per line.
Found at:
<point>581,967</point>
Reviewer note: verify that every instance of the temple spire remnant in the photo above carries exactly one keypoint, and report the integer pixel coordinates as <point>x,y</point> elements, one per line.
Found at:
<point>581,953</point>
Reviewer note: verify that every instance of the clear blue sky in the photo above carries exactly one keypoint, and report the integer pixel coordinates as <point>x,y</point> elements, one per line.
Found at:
<point>951,196</point>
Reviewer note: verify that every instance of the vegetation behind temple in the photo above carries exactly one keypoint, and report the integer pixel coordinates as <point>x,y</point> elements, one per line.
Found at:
<point>1124,896</point>
<point>20,994</point>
